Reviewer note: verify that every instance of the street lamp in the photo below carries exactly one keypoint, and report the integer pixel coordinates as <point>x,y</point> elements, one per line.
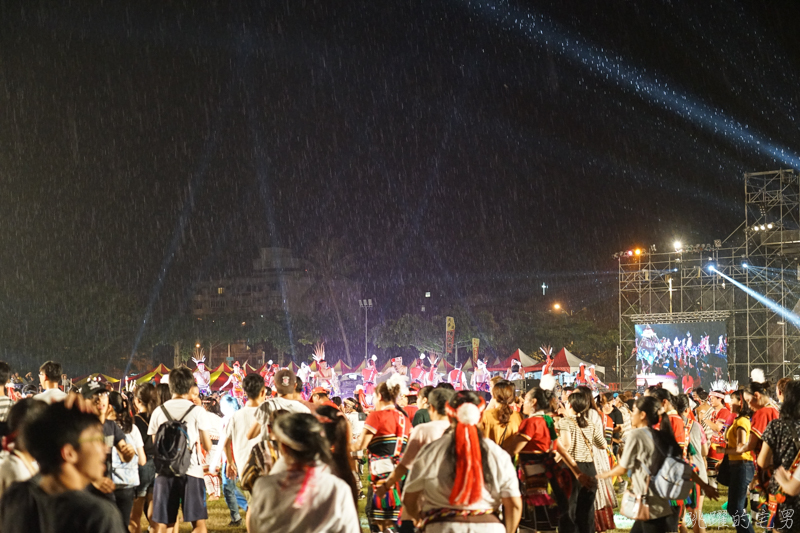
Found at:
<point>366,305</point>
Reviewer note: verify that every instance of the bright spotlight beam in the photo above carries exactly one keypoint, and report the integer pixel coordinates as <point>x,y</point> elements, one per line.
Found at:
<point>612,67</point>
<point>782,311</point>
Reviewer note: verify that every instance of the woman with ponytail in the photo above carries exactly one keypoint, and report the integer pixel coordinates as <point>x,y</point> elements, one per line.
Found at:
<point>125,475</point>
<point>639,460</point>
<point>306,497</point>
<point>604,499</point>
<point>546,484</point>
<point>502,421</point>
<point>385,436</point>
<point>337,431</point>
<point>464,477</point>
<point>580,438</point>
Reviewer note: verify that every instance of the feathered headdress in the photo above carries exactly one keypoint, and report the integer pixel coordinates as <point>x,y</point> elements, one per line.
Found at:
<point>757,376</point>
<point>374,357</point>
<point>200,361</point>
<point>481,364</point>
<point>547,351</point>
<point>319,352</point>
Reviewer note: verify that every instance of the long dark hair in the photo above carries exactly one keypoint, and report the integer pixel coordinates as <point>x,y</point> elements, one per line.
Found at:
<point>462,397</point>
<point>148,396</point>
<point>305,429</point>
<point>650,406</point>
<point>337,431</point>
<point>544,398</point>
<point>580,402</point>
<point>744,409</point>
<point>660,394</point>
<point>121,408</point>
<point>790,410</point>
<point>503,394</point>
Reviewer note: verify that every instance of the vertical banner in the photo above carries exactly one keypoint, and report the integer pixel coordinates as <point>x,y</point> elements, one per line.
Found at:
<point>450,334</point>
<point>475,344</point>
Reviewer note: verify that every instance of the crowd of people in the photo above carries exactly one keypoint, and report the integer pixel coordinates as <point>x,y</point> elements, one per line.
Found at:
<point>426,458</point>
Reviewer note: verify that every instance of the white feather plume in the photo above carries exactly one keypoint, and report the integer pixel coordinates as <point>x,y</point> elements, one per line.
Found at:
<point>374,357</point>
<point>422,356</point>
<point>397,379</point>
<point>757,376</point>
<point>548,382</point>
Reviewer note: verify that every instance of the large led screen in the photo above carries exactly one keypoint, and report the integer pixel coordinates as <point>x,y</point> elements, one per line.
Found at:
<point>689,354</point>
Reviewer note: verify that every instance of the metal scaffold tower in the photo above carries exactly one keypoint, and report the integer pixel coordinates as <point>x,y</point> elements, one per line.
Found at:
<point>762,254</point>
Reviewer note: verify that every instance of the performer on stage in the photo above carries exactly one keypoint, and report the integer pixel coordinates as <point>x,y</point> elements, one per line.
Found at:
<point>513,373</point>
<point>418,370</point>
<point>480,378</point>
<point>594,381</point>
<point>269,374</point>
<point>456,378</point>
<point>370,376</point>
<point>235,381</point>
<point>304,373</point>
<point>325,376</point>
<point>547,369</point>
<point>431,377</point>
<point>580,377</point>
<point>397,368</point>
<point>201,375</point>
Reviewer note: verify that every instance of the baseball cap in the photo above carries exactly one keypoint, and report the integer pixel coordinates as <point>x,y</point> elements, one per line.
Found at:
<point>285,381</point>
<point>91,388</point>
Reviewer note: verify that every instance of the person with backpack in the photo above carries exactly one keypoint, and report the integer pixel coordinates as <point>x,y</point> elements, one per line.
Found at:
<point>644,457</point>
<point>125,474</point>
<point>177,426</point>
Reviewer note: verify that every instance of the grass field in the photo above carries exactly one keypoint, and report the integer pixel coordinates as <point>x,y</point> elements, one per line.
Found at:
<point>717,520</point>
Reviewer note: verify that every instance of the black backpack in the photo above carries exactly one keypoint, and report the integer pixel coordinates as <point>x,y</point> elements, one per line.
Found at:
<point>173,451</point>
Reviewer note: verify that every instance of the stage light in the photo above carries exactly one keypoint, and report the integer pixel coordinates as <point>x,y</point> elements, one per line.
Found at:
<point>638,252</point>
<point>630,253</point>
<point>678,246</point>
<point>744,265</point>
<point>755,228</point>
<point>763,227</point>
<point>711,268</point>
<point>769,226</point>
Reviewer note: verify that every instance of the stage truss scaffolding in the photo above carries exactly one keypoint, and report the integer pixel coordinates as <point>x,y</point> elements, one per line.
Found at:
<point>762,254</point>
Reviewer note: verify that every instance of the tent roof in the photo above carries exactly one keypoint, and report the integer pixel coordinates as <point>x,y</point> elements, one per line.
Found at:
<point>565,361</point>
<point>526,360</point>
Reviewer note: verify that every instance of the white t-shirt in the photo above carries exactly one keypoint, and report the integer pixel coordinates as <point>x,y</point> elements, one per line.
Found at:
<point>126,475</point>
<point>236,430</point>
<point>196,420</point>
<point>420,436</point>
<point>329,508</point>
<point>425,477</point>
<point>13,469</point>
<point>265,410</point>
<point>51,396</point>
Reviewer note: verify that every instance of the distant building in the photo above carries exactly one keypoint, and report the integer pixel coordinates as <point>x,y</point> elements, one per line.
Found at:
<point>279,281</point>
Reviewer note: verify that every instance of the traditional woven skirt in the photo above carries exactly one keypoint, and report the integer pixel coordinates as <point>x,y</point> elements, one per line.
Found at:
<point>538,473</point>
<point>388,507</point>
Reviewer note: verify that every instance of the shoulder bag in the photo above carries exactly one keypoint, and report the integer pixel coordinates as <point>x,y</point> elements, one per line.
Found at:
<point>635,507</point>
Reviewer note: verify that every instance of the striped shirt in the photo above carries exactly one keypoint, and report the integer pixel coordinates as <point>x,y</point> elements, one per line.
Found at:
<point>5,407</point>
<point>581,438</point>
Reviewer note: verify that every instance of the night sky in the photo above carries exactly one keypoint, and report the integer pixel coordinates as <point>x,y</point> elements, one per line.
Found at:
<point>473,146</point>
